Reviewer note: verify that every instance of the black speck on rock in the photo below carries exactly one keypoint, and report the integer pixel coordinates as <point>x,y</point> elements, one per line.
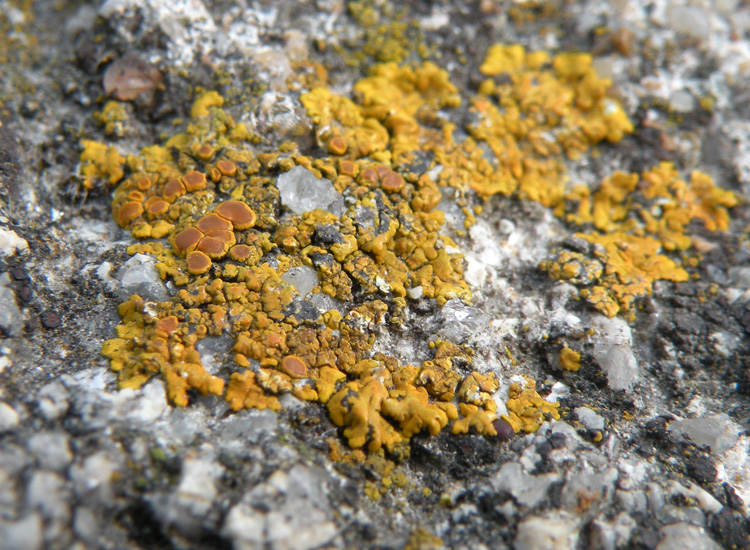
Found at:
<point>470,453</point>
<point>302,310</point>
<point>690,323</point>
<point>558,440</point>
<point>327,234</point>
<point>656,428</point>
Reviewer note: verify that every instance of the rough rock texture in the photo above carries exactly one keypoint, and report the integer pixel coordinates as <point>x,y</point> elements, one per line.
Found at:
<point>651,450</point>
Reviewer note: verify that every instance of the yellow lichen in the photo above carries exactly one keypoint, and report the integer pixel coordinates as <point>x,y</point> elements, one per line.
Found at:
<point>569,359</point>
<point>100,162</point>
<point>204,102</point>
<point>637,220</point>
<point>474,417</point>
<point>527,410</point>
<point>208,205</point>
<point>113,117</point>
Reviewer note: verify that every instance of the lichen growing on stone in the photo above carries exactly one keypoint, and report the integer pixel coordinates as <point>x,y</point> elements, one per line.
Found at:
<point>225,230</point>
<point>303,259</point>
<point>100,162</point>
<point>637,221</point>
<point>526,408</point>
<point>569,359</point>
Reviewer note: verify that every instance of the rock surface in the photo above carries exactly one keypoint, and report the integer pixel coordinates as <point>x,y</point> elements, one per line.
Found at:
<point>651,450</point>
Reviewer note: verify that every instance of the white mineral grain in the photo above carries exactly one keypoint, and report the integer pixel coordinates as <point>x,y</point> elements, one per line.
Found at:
<point>597,485</point>
<point>85,523</point>
<point>716,431</point>
<point>613,351</point>
<point>324,302</point>
<point>149,405</point>
<point>245,527</point>
<point>22,534</point>
<point>693,493</point>
<point>197,490</point>
<point>724,343</point>
<point>289,511</point>
<point>93,477</point>
<point>460,321</point>
<point>302,278</point>
<point>248,426</point>
<point>632,473</point>
<point>302,192</point>
<point>51,450</point>
<point>611,534</point>
<point>693,21</point>
<point>553,532</point>
<point>634,502</point>
<point>589,418</point>
<point>11,243</point>
<point>528,490</point>
<point>739,277</point>
<point>680,536</point>
<point>139,276</point>
<point>187,25</point>
<point>734,468</point>
<point>52,400</point>
<point>47,493</point>
<point>213,350</point>
<point>682,101</point>
<point>9,417</point>
<point>11,318</point>
<point>655,498</point>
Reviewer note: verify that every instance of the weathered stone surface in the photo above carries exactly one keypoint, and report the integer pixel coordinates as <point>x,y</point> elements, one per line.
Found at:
<point>84,464</point>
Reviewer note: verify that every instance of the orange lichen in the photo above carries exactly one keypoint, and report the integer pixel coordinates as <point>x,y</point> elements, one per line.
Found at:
<point>227,168</point>
<point>240,252</point>
<point>203,104</point>
<point>474,417</point>
<point>238,213</point>
<point>187,239</point>
<point>155,207</point>
<point>205,152</point>
<point>198,262</point>
<point>337,146</point>
<point>244,393</point>
<point>173,189</point>
<point>213,222</point>
<point>194,181</point>
<point>293,366</point>
<point>128,212</point>
<point>393,182</point>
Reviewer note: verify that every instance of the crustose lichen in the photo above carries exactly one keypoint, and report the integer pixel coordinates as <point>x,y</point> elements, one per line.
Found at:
<point>207,205</point>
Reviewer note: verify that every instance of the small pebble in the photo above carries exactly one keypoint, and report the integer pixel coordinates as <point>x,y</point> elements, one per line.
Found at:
<point>9,417</point>
<point>50,319</point>
<point>504,430</point>
<point>26,293</point>
<point>19,274</point>
<point>129,77</point>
